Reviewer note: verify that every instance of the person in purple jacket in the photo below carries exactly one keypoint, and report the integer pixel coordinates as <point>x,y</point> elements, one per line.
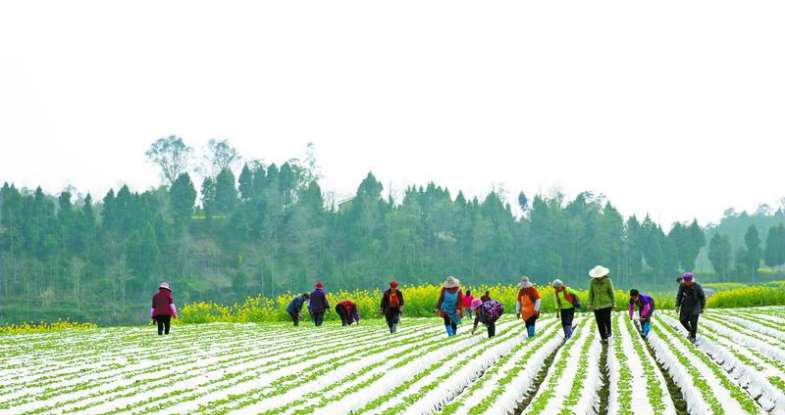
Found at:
<point>318,304</point>
<point>645,309</point>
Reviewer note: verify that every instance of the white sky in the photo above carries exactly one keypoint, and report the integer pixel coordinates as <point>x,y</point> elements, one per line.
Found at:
<point>670,107</point>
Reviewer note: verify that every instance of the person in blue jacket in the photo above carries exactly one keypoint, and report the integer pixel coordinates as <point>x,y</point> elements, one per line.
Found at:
<point>295,307</point>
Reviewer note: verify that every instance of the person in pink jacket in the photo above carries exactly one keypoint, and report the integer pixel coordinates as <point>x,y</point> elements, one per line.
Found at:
<point>467,303</point>
<point>645,309</point>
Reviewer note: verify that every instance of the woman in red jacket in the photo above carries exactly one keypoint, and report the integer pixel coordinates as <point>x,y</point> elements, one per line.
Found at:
<point>163,308</point>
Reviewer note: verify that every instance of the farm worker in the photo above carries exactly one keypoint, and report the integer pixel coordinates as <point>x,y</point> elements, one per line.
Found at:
<point>295,306</point>
<point>690,303</point>
<point>392,306</point>
<point>163,309</point>
<point>645,309</point>
<point>318,304</point>
<point>347,310</point>
<point>467,303</point>
<point>450,305</point>
<point>487,312</point>
<point>566,303</point>
<point>527,305</point>
<point>485,297</point>
<point>602,299</point>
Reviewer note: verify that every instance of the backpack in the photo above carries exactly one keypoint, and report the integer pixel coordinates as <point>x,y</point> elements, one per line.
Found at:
<point>576,302</point>
<point>393,300</point>
<point>492,310</point>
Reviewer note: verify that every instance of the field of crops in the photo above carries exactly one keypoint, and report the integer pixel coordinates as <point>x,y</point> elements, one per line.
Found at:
<point>737,367</point>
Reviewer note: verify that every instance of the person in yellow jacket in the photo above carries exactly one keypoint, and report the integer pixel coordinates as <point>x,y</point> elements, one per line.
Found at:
<point>528,305</point>
<point>566,303</point>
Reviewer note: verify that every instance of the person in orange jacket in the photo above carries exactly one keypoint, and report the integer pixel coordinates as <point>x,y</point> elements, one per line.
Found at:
<point>528,305</point>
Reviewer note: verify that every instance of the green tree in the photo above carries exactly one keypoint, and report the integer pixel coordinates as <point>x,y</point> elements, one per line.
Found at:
<point>182,196</point>
<point>754,251</point>
<point>774,253</point>
<point>225,192</point>
<point>720,255</point>
<point>246,181</point>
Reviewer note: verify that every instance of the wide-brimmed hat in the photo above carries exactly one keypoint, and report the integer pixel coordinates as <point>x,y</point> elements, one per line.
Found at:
<point>165,286</point>
<point>687,276</point>
<point>476,303</point>
<point>557,283</point>
<point>525,283</point>
<point>451,282</point>
<point>599,271</point>
<point>319,284</point>
<point>393,284</point>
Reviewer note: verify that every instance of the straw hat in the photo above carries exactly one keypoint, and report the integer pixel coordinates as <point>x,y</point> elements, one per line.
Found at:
<point>451,282</point>
<point>557,283</point>
<point>599,271</point>
<point>525,283</point>
<point>165,286</point>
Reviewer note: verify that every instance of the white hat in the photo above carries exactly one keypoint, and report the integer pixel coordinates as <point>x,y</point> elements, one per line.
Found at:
<point>599,271</point>
<point>525,283</point>
<point>557,283</point>
<point>451,282</point>
<point>165,285</point>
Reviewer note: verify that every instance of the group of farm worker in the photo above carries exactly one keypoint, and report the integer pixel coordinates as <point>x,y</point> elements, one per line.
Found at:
<point>391,307</point>
<point>452,304</point>
<point>690,303</point>
<point>318,305</point>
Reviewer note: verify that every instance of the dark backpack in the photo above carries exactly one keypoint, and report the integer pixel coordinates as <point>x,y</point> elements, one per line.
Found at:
<point>492,310</point>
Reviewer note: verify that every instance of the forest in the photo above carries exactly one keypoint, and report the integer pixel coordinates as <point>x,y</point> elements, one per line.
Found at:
<point>221,230</point>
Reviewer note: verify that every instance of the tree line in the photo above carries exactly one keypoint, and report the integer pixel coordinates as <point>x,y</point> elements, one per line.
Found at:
<point>270,230</point>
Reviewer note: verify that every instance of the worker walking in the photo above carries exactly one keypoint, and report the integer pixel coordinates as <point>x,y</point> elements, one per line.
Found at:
<point>690,303</point>
<point>392,306</point>
<point>566,303</point>
<point>527,305</point>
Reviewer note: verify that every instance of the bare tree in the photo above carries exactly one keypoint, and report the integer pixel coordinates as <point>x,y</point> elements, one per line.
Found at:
<point>220,155</point>
<point>172,155</point>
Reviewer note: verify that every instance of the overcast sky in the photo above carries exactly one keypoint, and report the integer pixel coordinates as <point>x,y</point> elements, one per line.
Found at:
<point>673,108</point>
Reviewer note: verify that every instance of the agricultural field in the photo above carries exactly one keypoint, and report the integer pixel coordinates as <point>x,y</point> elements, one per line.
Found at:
<point>736,367</point>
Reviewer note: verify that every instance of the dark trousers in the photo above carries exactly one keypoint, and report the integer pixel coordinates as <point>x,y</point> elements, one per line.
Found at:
<point>603,317</point>
<point>295,318</point>
<point>690,322</point>
<point>393,317</point>
<point>345,319</point>
<point>164,323</point>
<point>317,317</point>
<point>531,321</point>
<point>491,329</point>
<point>567,315</point>
<point>448,322</point>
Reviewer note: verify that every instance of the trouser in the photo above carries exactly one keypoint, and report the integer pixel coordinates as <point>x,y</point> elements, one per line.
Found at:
<point>491,329</point>
<point>393,317</point>
<point>645,327</point>
<point>690,322</point>
<point>469,312</point>
<point>295,318</point>
<point>603,317</point>
<point>317,317</point>
<point>164,323</point>
<point>450,326</point>
<point>530,331</point>
<point>567,315</point>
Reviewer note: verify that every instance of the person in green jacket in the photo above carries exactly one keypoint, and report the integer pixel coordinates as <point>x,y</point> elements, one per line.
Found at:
<point>566,303</point>
<point>602,300</point>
